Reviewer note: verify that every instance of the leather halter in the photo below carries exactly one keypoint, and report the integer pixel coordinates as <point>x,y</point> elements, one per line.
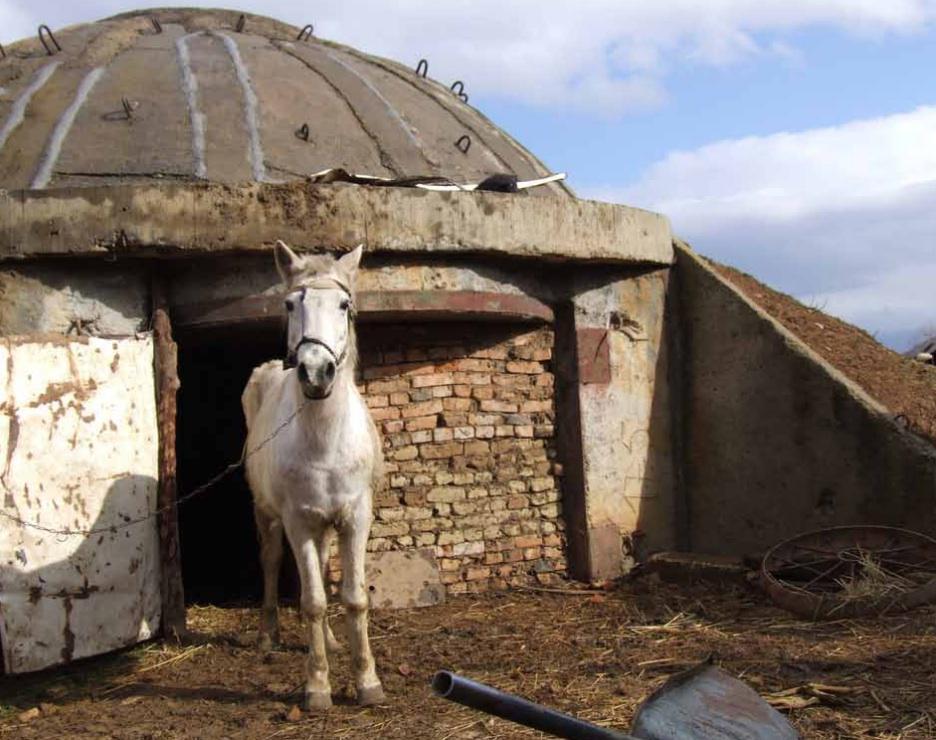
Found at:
<point>320,284</point>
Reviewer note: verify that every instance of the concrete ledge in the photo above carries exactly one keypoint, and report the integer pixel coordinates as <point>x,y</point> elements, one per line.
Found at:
<point>373,307</point>
<point>149,220</point>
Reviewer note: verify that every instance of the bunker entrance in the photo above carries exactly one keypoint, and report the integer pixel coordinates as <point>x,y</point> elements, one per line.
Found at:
<point>220,559</point>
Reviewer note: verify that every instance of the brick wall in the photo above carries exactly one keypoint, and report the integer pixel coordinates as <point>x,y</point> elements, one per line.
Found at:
<point>466,413</point>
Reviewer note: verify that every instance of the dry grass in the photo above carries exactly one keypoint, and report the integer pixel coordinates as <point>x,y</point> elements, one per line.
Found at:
<point>595,655</point>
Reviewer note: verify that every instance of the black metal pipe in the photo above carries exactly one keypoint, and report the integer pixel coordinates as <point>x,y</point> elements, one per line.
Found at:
<point>484,698</point>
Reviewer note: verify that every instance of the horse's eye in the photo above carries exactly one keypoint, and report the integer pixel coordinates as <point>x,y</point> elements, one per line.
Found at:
<point>289,304</point>
<point>345,304</point>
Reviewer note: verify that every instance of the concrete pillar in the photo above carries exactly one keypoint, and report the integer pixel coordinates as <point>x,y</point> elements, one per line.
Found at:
<point>615,423</point>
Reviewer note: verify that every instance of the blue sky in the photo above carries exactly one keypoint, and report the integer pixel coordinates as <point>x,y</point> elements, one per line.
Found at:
<point>795,139</point>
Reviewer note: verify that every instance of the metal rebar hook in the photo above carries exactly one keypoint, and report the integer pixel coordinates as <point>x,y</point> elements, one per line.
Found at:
<point>303,132</point>
<point>463,144</point>
<point>51,37</point>
<point>305,33</point>
<point>460,92</point>
<point>241,22</point>
<point>157,26</point>
<point>422,69</point>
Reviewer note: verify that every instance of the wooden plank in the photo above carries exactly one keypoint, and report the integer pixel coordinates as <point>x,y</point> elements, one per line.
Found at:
<point>167,385</point>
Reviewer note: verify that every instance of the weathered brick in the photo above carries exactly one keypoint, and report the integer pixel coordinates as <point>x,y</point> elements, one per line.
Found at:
<point>475,573</point>
<point>531,553</point>
<point>542,484</point>
<point>389,529</point>
<point>450,538</point>
<point>377,401</point>
<point>437,451</point>
<point>456,404</point>
<point>543,430</point>
<point>388,386</point>
<point>518,501</point>
<point>442,435</point>
<point>499,406</point>
<point>418,395</point>
<point>463,432</point>
<point>462,390</point>
<point>390,412</point>
<point>441,391</point>
<point>468,548</point>
<point>446,494</point>
<point>550,511</point>
<point>421,422</point>
<point>433,379</point>
<point>443,477</point>
<point>424,539</point>
<point>527,541</point>
<point>390,514</point>
<point>503,430</point>
<point>423,435</point>
<point>393,426</point>
<point>525,366</point>
<point>477,448</point>
<point>417,512</point>
<point>483,393</point>
<point>406,453</point>
<point>399,399</point>
<point>535,407</point>
<point>425,408</point>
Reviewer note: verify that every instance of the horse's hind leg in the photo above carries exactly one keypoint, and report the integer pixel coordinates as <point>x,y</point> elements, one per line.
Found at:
<point>324,550</point>
<point>270,532</point>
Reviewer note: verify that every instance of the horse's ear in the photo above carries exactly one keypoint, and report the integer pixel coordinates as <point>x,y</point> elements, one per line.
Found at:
<point>288,263</point>
<point>348,263</point>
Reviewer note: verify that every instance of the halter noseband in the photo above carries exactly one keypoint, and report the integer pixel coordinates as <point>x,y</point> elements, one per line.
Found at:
<point>319,284</point>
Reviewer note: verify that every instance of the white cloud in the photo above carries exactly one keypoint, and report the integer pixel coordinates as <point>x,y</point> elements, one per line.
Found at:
<point>843,216</point>
<point>603,56</point>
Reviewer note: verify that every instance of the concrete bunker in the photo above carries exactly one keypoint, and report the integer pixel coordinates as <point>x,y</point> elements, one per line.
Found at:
<point>562,387</point>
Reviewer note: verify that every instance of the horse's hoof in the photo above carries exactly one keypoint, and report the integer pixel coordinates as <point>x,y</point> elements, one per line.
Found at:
<point>316,700</point>
<point>371,695</point>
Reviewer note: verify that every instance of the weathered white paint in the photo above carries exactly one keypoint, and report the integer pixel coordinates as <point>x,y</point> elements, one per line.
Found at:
<point>18,111</point>
<point>254,149</point>
<point>78,450</point>
<point>62,127</point>
<point>190,86</point>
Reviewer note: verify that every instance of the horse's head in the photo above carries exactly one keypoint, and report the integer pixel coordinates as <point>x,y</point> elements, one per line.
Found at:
<point>320,314</point>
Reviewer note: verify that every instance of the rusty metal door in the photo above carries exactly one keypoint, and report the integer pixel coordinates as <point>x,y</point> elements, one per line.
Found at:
<point>78,453</point>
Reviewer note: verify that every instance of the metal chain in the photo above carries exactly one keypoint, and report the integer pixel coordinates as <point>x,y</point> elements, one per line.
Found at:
<point>245,455</point>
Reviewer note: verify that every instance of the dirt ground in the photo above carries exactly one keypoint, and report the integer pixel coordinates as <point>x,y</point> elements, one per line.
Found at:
<point>593,654</point>
<point>904,386</point>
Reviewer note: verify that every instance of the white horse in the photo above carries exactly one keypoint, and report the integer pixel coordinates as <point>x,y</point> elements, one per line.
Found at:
<point>316,475</point>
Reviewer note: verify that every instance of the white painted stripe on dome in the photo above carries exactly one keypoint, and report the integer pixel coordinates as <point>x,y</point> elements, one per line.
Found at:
<point>190,88</point>
<point>62,127</point>
<point>254,148</point>
<point>18,112</point>
<point>389,106</point>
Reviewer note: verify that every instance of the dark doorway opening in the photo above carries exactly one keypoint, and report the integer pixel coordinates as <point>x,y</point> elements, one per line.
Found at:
<point>220,558</point>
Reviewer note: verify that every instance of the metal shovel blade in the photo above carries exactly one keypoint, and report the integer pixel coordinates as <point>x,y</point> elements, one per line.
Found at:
<point>705,702</point>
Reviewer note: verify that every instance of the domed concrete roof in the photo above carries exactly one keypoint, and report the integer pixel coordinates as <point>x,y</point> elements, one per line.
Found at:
<point>189,94</point>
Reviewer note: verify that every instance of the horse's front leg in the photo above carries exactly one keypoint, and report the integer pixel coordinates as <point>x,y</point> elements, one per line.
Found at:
<point>353,544</point>
<point>313,604</point>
